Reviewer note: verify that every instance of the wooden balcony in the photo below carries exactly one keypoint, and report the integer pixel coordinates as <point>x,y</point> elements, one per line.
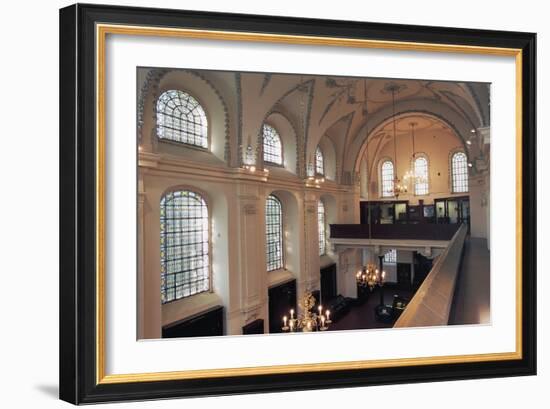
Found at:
<point>430,232</point>
<point>432,303</point>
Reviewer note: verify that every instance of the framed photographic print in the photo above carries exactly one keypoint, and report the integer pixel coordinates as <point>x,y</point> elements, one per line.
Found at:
<point>258,203</point>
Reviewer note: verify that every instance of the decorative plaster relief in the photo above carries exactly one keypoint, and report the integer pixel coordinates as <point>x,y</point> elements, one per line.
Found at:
<point>250,209</point>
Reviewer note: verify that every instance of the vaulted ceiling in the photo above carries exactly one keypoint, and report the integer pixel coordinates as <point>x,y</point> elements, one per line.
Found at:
<point>346,110</point>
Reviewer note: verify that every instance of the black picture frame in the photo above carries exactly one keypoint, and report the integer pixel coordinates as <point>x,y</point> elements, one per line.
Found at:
<point>78,258</point>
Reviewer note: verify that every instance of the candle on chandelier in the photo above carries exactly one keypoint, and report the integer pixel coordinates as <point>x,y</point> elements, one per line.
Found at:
<point>291,314</point>
<point>284,320</point>
<point>320,309</point>
<point>328,314</point>
<point>322,320</point>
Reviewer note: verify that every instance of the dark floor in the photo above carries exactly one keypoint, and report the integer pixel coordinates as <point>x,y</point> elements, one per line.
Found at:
<point>362,316</point>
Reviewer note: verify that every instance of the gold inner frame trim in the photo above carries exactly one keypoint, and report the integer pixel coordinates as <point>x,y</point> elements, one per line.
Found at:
<point>101,33</point>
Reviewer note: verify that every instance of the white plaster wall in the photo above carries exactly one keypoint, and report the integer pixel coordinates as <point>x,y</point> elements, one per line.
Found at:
<point>436,145</point>
<point>236,201</point>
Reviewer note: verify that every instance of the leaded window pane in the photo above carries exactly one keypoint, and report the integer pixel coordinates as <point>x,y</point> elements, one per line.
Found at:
<point>391,257</point>
<point>459,171</point>
<point>274,233</point>
<point>387,179</point>
<point>181,118</point>
<point>421,173</point>
<point>319,162</point>
<point>273,150</point>
<point>322,229</point>
<point>184,245</point>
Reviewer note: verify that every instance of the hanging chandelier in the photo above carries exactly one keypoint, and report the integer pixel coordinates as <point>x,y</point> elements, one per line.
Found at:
<point>370,276</point>
<point>398,186</point>
<point>411,178</point>
<point>307,321</point>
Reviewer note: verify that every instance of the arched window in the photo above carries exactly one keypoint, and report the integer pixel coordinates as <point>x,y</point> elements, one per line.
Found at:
<point>273,233</point>
<point>387,178</point>
<point>390,257</point>
<point>459,172</point>
<point>319,162</point>
<point>421,173</point>
<point>273,149</point>
<point>321,226</point>
<point>184,245</point>
<point>181,118</point>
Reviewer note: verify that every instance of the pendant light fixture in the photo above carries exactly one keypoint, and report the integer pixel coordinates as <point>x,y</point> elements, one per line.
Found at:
<point>398,186</point>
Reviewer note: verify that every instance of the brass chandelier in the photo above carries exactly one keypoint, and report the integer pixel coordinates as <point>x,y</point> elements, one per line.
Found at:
<point>411,177</point>
<point>370,276</point>
<point>307,321</point>
<point>398,186</point>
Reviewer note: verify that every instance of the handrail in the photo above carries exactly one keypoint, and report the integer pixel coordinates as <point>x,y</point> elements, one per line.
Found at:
<point>432,302</point>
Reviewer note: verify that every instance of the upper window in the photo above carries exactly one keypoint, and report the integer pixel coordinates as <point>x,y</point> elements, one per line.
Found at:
<point>184,245</point>
<point>321,226</point>
<point>421,173</point>
<point>273,149</point>
<point>391,257</point>
<point>459,172</point>
<point>273,233</point>
<point>387,179</point>
<point>180,118</point>
<point>319,162</point>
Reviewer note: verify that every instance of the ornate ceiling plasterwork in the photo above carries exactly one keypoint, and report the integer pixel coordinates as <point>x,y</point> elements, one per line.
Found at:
<point>324,102</point>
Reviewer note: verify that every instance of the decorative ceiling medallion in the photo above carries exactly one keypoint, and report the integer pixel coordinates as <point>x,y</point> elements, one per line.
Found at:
<point>393,87</point>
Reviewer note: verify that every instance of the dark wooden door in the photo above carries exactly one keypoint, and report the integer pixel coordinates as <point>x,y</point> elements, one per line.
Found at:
<point>329,288</point>
<point>422,267</point>
<point>404,276</point>
<point>281,299</point>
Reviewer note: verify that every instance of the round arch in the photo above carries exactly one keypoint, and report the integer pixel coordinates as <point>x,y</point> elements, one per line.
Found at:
<point>288,136</point>
<point>291,232</point>
<point>357,151</point>
<point>205,93</point>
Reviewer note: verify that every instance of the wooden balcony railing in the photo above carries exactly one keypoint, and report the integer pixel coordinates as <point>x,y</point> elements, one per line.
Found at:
<point>394,231</point>
<point>432,302</point>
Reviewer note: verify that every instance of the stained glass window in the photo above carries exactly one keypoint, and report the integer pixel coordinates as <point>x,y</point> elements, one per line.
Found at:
<point>391,257</point>
<point>321,226</point>
<point>181,118</point>
<point>274,233</point>
<point>184,245</point>
<point>273,149</point>
<point>387,179</point>
<point>459,172</point>
<point>319,162</point>
<point>421,173</point>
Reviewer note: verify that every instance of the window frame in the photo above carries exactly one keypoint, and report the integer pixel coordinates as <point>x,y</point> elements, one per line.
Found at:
<point>421,156</point>
<point>206,148</point>
<point>318,151</point>
<point>393,260</point>
<point>452,171</point>
<point>206,202</point>
<point>381,170</point>
<point>320,204</point>
<point>282,235</point>
<point>282,164</point>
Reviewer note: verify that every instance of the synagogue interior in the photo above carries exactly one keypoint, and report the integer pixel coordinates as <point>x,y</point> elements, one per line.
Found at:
<point>272,202</point>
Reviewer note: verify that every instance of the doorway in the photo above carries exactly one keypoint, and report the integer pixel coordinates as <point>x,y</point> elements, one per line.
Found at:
<point>282,298</point>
